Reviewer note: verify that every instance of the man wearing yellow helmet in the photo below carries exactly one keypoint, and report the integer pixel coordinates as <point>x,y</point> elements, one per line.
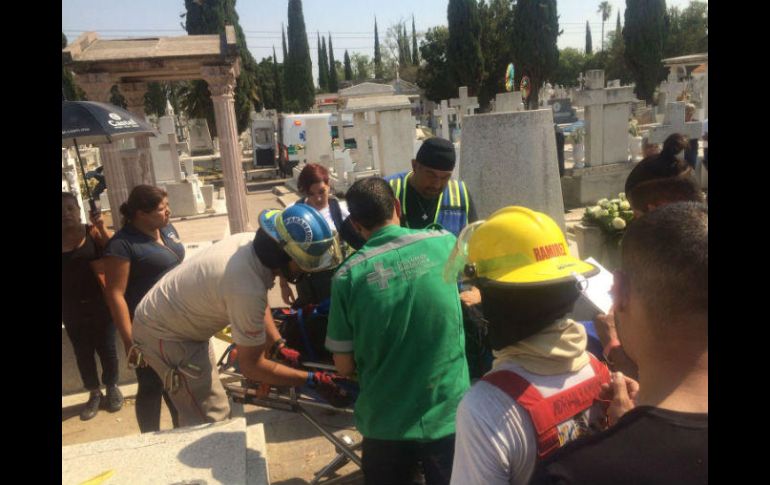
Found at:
<point>543,388</point>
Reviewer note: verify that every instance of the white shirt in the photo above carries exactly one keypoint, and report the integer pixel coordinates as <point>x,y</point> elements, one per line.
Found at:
<point>326,212</point>
<point>224,284</point>
<point>496,443</point>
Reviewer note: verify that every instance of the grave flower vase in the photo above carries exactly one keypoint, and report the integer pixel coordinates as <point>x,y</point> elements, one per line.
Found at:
<point>578,152</point>
<point>635,147</point>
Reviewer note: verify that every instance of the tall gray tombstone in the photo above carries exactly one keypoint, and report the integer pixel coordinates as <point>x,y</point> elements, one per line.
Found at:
<point>510,159</point>
<point>674,122</point>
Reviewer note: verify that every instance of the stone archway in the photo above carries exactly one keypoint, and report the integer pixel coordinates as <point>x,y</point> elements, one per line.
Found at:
<point>130,64</point>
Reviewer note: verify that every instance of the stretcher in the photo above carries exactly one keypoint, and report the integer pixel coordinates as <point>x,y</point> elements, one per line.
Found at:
<point>294,400</point>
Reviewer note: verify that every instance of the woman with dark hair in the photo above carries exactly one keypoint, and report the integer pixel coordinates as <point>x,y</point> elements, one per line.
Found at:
<point>84,312</point>
<point>313,185</point>
<point>139,254</point>
<point>669,163</point>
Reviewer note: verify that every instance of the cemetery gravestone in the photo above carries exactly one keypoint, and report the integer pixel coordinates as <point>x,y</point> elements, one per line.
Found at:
<point>444,114</point>
<point>510,159</point>
<point>562,111</point>
<point>464,105</point>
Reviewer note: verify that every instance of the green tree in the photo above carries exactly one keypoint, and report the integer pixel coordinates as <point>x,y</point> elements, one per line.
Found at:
<point>378,72</point>
<point>116,98</point>
<point>415,54</point>
<point>207,18</point>
<point>298,70</point>
<point>348,67</point>
<point>323,71</point>
<point>496,29</point>
<point>333,80</point>
<point>362,66</point>
<point>283,42</point>
<point>644,37</point>
<point>466,65</point>
<point>605,9</point>
<point>571,64</point>
<point>687,31</point>
<point>155,99</point>
<point>535,30</point>
<point>589,46</point>
<point>266,78</point>
<point>277,83</point>
<point>615,66</point>
<point>433,75</point>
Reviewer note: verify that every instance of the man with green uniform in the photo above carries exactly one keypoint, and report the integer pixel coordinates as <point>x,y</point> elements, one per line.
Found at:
<point>398,323</point>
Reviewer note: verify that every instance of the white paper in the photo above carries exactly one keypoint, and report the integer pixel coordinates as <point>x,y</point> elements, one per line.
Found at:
<point>597,288</point>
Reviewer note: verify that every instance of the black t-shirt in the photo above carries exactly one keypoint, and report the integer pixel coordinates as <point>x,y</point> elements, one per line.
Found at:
<point>149,260</point>
<point>647,446</point>
<point>420,212</point>
<point>82,299</point>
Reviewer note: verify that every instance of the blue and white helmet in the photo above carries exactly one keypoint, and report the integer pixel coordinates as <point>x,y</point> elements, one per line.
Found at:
<point>305,236</point>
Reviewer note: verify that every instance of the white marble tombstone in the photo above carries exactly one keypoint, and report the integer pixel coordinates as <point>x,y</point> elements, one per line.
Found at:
<point>200,136</point>
<point>508,102</point>
<point>606,117</point>
<point>673,122</point>
<point>444,113</point>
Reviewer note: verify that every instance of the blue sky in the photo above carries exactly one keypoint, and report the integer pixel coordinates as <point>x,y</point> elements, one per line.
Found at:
<point>351,22</point>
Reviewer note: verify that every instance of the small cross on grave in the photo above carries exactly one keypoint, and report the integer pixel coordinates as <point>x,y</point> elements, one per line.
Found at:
<point>581,81</point>
<point>465,105</point>
<point>380,275</point>
<point>674,122</point>
<point>444,113</point>
<point>362,131</point>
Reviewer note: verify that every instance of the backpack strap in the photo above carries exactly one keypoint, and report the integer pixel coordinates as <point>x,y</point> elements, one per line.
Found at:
<point>336,213</point>
<point>547,413</point>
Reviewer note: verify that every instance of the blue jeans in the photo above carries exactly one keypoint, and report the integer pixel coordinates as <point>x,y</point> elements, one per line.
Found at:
<point>148,398</point>
<point>390,462</point>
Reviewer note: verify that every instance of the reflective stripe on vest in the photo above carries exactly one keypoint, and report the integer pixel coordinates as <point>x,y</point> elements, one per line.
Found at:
<point>452,210</point>
<point>547,413</point>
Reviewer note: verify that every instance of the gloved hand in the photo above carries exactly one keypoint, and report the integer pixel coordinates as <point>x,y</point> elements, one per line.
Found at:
<point>289,355</point>
<point>280,352</point>
<point>326,384</point>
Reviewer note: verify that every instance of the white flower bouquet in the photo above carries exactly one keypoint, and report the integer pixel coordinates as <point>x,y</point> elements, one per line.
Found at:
<point>611,215</point>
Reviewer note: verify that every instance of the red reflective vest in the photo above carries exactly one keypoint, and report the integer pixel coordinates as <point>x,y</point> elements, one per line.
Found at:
<point>547,413</point>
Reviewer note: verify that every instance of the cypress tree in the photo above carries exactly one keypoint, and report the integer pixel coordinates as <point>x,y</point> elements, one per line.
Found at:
<point>298,73</point>
<point>206,18</point>
<point>407,51</point>
<point>377,57</point>
<point>323,72</point>
<point>535,29</point>
<point>589,47</point>
<point>278,94</point>
<point>464,59</point>
<point>415,54</point>
<point>333,82</point>
<point>644,37</point>
<point>348,67</point>
<point>283,41</point>
<point>617,25</point>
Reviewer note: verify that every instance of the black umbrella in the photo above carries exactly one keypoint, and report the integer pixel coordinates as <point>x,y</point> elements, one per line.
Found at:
<point>93,123</point>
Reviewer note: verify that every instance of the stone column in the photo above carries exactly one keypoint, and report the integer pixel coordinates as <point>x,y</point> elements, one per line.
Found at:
<point>97,88</point>
<point>221,81</point>
<point>140,168</point>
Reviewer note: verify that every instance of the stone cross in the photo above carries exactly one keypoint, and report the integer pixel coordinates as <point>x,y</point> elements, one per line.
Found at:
<point>464,104</point>
<point>444,113</point>
<point>607,112</point>
<point>581,81</point>
<point>674,122</point>
<point>364,130</point>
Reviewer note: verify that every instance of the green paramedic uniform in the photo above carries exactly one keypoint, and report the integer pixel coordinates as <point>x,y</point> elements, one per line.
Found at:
<point>392,308</point>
